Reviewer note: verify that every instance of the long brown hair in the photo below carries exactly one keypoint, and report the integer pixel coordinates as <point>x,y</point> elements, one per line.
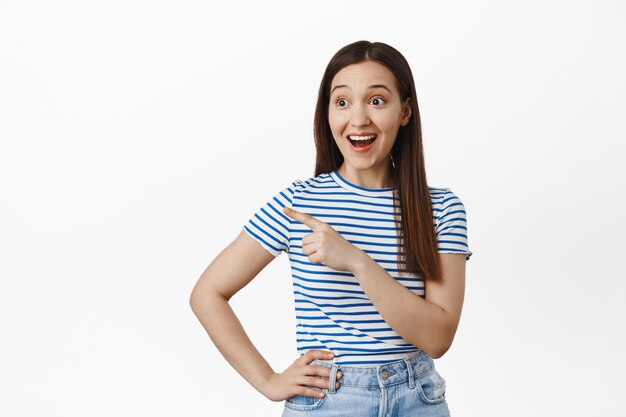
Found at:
<point>416,234</point>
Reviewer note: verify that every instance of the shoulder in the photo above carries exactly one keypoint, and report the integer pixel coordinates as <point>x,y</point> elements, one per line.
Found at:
<point>445,204</point>
<point>448,212</point>
<point>437,195</point>
<point>450,222</point>
<point>443,197</point>
<point>286,194</point>
<point>311,184</point>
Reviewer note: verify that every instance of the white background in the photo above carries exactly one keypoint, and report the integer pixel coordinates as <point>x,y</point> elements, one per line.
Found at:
<point>137,137</point>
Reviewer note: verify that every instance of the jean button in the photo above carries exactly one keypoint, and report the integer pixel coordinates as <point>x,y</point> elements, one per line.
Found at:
<point>385,374</point>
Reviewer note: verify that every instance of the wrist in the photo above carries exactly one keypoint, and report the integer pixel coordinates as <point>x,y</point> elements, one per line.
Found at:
<point>265,382</point>
<point>362,261</point>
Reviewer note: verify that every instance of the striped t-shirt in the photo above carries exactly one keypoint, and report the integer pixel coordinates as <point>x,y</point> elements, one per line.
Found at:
<point>332,310</point>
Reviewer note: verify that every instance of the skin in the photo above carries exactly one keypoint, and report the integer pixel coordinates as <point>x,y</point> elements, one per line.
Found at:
<point>356,107</point>
<point>429,323</point>
<point>222,279</point>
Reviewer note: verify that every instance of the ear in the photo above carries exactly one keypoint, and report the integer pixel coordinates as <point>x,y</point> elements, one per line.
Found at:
<point>406,112</point>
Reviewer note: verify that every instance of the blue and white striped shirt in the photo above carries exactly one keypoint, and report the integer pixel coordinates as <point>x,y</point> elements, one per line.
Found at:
<point>332,310</point>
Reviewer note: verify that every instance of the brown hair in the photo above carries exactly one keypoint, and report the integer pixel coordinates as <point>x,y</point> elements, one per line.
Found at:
<point>416,233</point>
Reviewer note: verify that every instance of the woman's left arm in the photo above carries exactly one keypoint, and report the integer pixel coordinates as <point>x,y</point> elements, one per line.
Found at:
<point>429,323</point>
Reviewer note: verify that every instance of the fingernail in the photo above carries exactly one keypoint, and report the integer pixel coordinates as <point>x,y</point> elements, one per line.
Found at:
<point>330,355</point>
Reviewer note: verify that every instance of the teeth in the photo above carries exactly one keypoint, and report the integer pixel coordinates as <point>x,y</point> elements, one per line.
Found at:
<point>368,137</point>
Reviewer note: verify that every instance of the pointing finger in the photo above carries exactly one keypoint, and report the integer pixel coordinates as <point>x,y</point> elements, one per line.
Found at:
<point>305,218</point>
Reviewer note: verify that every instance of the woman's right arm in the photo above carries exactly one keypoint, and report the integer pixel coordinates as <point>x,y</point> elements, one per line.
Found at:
<point>229,272</point>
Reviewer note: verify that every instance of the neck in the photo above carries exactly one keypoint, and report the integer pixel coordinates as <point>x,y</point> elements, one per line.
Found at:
<point>379,177</point>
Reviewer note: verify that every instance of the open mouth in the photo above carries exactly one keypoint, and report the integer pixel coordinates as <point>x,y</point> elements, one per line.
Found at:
<point>362,141</point>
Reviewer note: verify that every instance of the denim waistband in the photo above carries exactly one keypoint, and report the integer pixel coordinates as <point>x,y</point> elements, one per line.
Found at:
<point>379,376</point>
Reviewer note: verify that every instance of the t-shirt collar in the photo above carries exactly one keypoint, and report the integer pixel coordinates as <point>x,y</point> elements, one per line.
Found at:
<point>368,192</point>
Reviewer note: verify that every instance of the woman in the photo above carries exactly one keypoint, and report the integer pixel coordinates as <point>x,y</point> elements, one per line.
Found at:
<point>366,236</point>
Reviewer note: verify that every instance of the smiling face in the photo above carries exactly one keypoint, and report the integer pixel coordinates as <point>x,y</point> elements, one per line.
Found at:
<point>365,104</point>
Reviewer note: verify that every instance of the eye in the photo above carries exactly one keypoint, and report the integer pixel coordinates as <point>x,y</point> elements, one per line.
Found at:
<point>340,100</point>
<point>377,100</point>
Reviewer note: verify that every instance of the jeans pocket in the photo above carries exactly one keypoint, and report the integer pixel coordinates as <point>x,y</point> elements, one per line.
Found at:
<point>432,387</point>
<point>304,403</point>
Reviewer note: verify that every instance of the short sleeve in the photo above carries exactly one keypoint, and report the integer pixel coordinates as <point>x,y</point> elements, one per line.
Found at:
<point>269,225</point>
<point>451,226</point>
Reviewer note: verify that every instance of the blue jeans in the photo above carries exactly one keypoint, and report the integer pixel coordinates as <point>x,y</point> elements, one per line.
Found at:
<point>407,387</point>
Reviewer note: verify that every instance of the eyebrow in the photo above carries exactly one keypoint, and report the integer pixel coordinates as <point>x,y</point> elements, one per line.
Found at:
<point>370,87</point>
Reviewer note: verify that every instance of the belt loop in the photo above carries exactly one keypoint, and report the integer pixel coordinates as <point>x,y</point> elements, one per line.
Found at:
<point>409,368</point>
<point>332,380</point>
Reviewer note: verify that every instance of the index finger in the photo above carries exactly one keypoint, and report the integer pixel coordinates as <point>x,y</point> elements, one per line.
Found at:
<point>305,218</point>
<point>311,355</point>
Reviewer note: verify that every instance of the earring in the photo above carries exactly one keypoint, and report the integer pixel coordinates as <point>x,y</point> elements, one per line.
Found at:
<point>392,163</point>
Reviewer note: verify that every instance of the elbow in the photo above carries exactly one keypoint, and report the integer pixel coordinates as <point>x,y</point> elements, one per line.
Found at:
<point>440,345</point>
<point>445,336</point>
<point>201,300</point>
<point>197,301</point>
<point>434,349</point>
<point>193,302</point>
<point>198,296</point>
<point>439,351</point>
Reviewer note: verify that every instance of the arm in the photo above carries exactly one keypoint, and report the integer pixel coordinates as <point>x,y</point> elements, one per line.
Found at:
<point>226,275</point>
<point>429,323</point>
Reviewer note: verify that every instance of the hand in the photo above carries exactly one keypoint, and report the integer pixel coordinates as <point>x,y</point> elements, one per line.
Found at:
<point>325,245</point>
<point>299,375</point>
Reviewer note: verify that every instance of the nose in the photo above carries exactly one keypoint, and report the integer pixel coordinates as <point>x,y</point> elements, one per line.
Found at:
<point>359,116</point>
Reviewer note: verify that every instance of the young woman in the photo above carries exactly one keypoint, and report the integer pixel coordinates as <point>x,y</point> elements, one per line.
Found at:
<point>377,256</point>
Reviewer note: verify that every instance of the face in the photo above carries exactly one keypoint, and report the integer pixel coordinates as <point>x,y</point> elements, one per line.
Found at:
<point>364,101</point>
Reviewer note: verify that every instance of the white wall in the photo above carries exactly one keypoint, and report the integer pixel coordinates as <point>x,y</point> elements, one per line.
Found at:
<point>125,127</point>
